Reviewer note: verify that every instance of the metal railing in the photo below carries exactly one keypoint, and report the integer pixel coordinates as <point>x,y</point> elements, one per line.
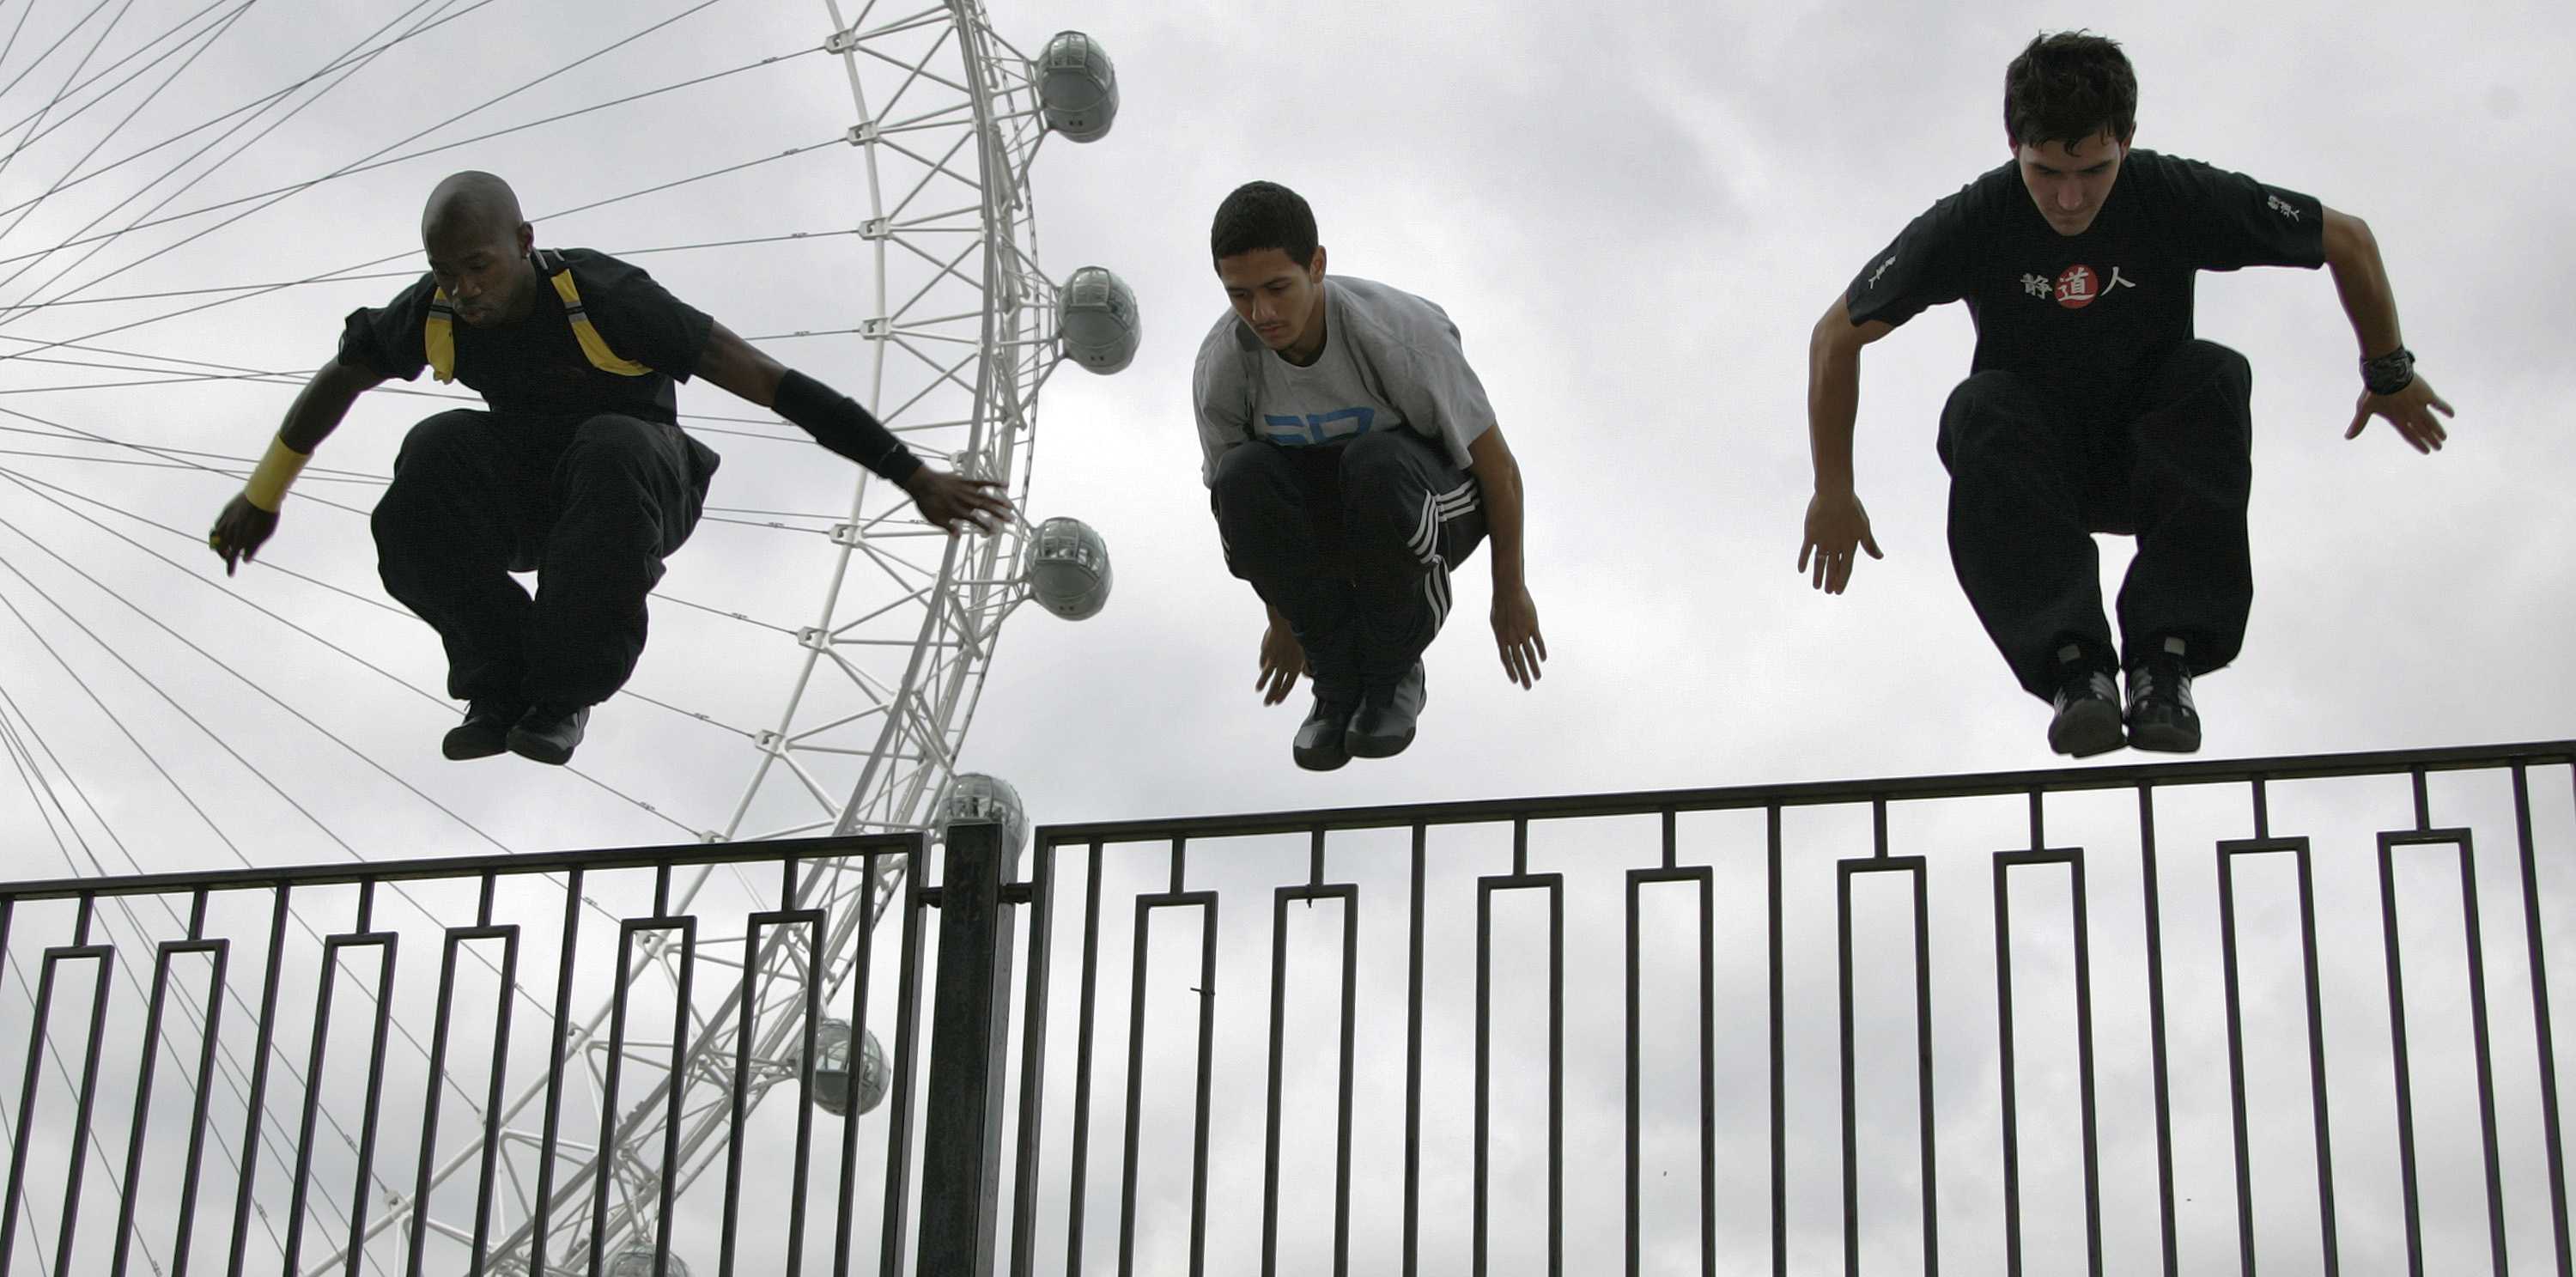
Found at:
<point>2342,1076</point>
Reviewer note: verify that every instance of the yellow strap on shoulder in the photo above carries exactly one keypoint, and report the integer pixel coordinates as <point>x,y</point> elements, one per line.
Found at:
<point>439,337</point>
<point>593,346</point>
<point>276,472</point>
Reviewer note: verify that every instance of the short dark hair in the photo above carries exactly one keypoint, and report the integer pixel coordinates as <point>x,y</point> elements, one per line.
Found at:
<point>1261,215</point>
<point>2067,87</point>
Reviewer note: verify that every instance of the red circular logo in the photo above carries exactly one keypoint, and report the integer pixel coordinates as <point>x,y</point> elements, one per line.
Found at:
<point>2077,288</point>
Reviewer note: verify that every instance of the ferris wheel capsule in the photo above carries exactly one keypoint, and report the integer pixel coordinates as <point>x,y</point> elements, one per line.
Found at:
<point>637,1261</point>
<point>1077,87</point>
<point>1097,315</point>
<point>1069,569</point>
<point>832,1067</point>
<point>974,796</point>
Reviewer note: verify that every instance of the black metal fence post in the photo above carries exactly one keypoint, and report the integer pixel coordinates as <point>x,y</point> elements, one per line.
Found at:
<point>970,1016</point>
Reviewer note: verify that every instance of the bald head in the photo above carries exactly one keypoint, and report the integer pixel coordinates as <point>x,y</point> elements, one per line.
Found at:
<point>478,244</point>
<point>472,204</point>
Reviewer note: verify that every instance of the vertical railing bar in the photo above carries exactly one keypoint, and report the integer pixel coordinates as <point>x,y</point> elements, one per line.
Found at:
<point>661,895</point>
<point>257,1102</point>
<point>2005,1056</point>
<point>1081,1169</point>
<point>2148,877</point>
<point>1779,1053</point>
<point>1342,1139</point>
<point>1878,827</point>
<point>440,1021</point>
<point>1629,1078</point>
<point>2486,1059</point>
<point>197,914</point>
<point>1484,993</point>
<point>366,905</point>
<point>142,1114</point>
<point>2393,957</point>
<point>1922,874</point>
<point>673,1092</point>
<point>1207,1071</point>
<point>1315,859</point>
<point>2317,1065</point>
<point>2236,1048</point>
<point>898,1175</point>
<point>1555,1075</point>
<point>83,911</point>
<point>801,1179</point>
<point>1033,1020</point>
<point>495,1095</point>
<point>1270,1106</point>
<point>2038,820</point>
<point>555,1039</point>
<point>2084,1069</point>
<point>85,1104</point>
<point>1707,1072</point>
<point>2262,808</point>
<point>730,1221</point>
<point>483,899</point>
<point>1135,1089</point>
<point>2423,801</point>
<point>1672,841</point>
<point>1413,1064</point>
<point>1520,846</point>
<point>1850,1126</point>
<point>375,1102</point>
<point>1180,863</point>
<point>611,1076</point>
<point>11,1202</point>
<point>845,1203</point>
<point>2535,955</point>
<point>330,978</point>
<point>222,951</point>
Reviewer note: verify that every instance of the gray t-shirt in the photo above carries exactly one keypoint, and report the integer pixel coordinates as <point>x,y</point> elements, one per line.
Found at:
<point>1390,361</point>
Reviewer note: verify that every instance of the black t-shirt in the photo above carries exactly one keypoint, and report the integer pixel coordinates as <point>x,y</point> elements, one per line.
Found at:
<point>536,365</point>
<point>2101,307</point>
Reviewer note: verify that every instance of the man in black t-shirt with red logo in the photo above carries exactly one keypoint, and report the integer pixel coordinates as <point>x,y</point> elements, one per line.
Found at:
<point>2090,406</point>
<point>579,470</point>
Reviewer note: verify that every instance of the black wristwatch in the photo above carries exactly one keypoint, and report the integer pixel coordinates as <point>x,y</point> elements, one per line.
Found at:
<point>2389,373</point>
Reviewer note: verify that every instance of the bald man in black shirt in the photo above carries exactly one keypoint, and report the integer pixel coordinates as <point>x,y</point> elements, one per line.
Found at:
<point>2090,405</point>
<point>579,469</point>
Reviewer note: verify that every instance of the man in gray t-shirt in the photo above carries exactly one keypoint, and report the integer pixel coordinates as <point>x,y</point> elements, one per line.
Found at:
<point>1352,461</point>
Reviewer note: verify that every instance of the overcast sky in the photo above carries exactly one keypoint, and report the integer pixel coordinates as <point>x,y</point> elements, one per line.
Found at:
<point>1633,220</point>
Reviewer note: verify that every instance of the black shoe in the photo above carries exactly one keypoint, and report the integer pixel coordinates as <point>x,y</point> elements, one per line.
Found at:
<point>1319,746</point>
<point>485,730</point>
<point>548,733</point>
<point>2161,715</point>
<point>1384,725</point>
<point>2088,707</point>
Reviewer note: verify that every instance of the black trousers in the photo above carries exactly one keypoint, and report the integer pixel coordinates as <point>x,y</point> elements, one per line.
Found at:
<point>592,504</point>
<point>1353,543</point>
<point>2033,476</point>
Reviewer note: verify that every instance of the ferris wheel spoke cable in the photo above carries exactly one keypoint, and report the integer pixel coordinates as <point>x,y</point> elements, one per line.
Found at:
<point>203,43</point>
<point>51,49</point>
<point>166,54</point>
<point>82,65</point>
<point>100,245</point>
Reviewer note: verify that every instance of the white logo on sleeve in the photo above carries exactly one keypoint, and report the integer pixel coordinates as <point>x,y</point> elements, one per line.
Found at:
<point>2283,207</point>
<point>1882,269</point>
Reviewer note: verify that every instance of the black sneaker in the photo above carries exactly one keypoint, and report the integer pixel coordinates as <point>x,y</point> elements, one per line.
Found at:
<point>2088,707</point>
<point>2161,715</point>
<point>548,733</point>
<point>1384,725</point>
<point>1319,746</point>
<point>484,732</point>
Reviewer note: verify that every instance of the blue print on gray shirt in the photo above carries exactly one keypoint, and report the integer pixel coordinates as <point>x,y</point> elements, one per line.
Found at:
<point>1316,428</point>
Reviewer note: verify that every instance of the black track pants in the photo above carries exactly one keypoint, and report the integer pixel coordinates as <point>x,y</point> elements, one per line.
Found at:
<point>593,504</point>
<point>1353,543</point>
<point>2031,478</point>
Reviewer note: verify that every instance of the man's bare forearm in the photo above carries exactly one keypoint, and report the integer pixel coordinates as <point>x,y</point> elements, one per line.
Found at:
<point>319,407</point>
<point>2361,282</point>
<point>1833,405</point>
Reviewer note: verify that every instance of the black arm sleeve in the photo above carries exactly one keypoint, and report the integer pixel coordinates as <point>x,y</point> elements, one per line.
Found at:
<point>2229,221</point>
<point>838,423</point>
<point>1925,267</point>
<point>386,340</point>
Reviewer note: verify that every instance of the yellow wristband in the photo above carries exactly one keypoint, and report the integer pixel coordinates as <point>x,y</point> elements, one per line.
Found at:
<point>276,473</point>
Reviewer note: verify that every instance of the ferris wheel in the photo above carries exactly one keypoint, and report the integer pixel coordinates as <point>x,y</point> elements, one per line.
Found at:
<point>821,678</point>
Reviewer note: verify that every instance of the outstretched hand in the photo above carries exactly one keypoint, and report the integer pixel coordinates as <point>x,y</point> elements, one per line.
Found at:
<point>239,532</point>
<point>1516,634</point>
<point>955,503</point>
<point>2410,410</point>
<point>1282,660</point>
<point>1836,524</point>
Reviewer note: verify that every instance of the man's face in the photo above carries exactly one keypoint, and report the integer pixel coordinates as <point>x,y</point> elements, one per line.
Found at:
<point>1279,299</point>
<point>2070,183</point>
<point>482,269</point>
